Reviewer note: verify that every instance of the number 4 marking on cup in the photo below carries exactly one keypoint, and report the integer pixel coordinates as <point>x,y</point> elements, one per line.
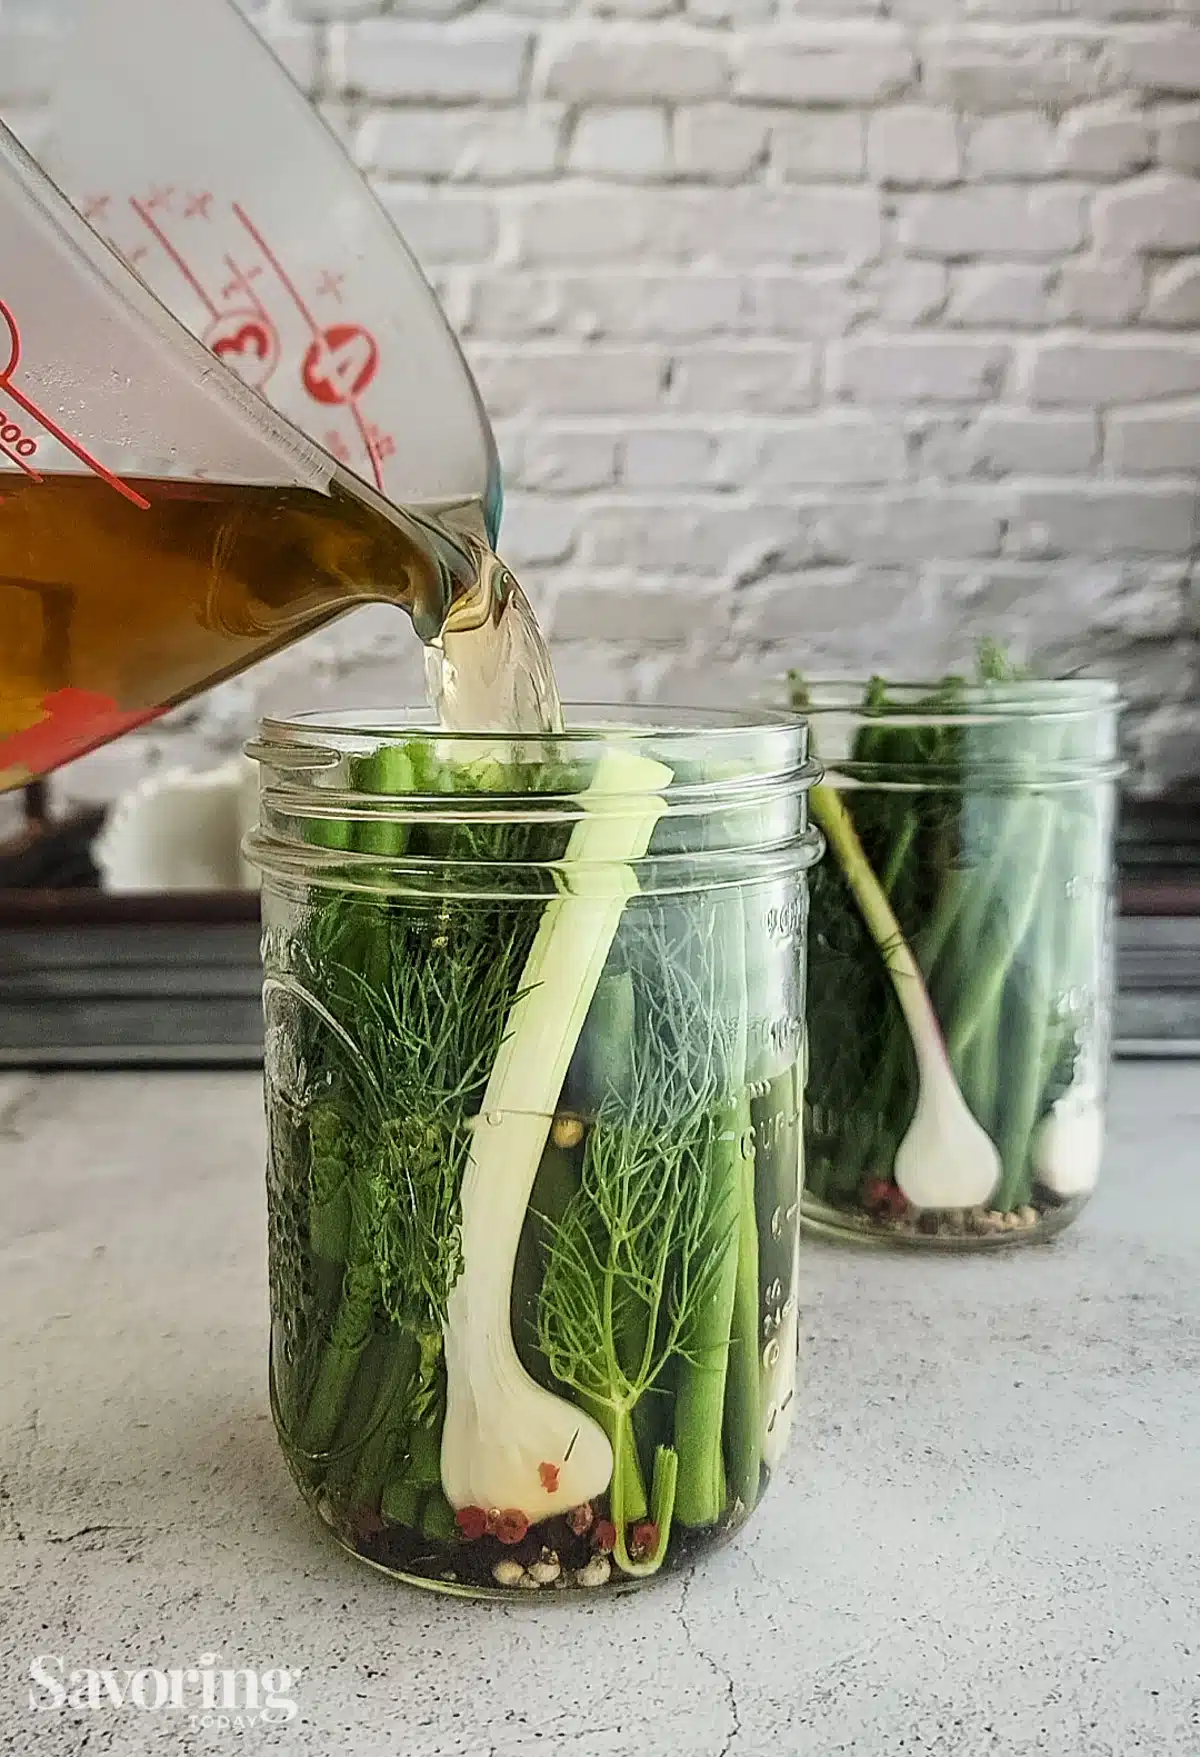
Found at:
<point>340,363</point>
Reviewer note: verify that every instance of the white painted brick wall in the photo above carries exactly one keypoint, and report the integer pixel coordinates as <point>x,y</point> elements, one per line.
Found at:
<point>831,332</point>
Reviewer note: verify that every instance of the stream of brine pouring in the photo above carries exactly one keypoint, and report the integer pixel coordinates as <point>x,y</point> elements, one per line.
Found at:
<point>495,673</point>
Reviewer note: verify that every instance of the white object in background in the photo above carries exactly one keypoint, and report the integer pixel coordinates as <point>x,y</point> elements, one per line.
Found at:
<point>182,831</point>
<point>1069,1144</point>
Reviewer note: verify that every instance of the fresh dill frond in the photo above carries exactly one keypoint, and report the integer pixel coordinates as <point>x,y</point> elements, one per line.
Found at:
<point>414,995</point>
<point>630,1263</point>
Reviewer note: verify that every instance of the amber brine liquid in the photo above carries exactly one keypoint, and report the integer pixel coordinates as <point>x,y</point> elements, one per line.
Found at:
<point>111,612</point>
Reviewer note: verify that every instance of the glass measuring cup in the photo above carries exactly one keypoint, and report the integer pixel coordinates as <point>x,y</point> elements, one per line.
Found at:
<point>161,526</point>
<point>250,223</point>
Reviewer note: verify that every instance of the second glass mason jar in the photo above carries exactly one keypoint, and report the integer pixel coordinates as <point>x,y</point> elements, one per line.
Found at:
<point>534,1039</point>
<point>961,958</point>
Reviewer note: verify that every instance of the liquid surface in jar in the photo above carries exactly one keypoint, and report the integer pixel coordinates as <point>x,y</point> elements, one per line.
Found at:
<point>111,612</point>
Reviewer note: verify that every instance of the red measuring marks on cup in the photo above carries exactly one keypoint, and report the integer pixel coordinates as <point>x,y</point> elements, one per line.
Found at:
<point>248,307</point>
<point>10,342</point>
<point>67,722</point>
<point>16,445</point>
<point>19,438</point>
<point>341,360</point>
<point>242,336</point>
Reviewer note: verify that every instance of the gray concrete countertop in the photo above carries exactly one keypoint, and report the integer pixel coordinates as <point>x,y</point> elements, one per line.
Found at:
<point>985,1540</point>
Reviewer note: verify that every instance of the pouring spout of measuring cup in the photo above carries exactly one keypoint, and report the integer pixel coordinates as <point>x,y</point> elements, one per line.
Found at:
<point>488,669</point>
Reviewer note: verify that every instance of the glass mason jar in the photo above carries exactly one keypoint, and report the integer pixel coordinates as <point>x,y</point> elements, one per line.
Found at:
<point>960,992</point>
<point>534,1032</point>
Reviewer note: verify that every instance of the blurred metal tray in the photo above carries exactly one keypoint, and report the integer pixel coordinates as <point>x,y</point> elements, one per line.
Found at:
<point>88,980</point>
<point>92,980</point>
<point>1158,974</point>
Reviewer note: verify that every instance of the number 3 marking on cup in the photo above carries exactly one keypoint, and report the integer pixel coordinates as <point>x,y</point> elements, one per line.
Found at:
<point>246,342</point>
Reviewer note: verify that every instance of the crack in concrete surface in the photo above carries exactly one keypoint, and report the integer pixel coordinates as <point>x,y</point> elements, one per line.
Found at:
<point>719,1671</point>
<point>25,1434</point>
<point>68,1537</point>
